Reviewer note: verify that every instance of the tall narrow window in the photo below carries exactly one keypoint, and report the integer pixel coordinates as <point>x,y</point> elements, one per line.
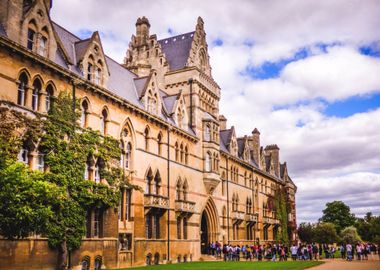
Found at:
<point>127,204</point>
<point>86,172</point>
<point>98,75</point>
<point>40,165</point>
<point>23,82</point>
<point>49,95</point>
<point>179,190</point>
<point>208,162</point>
<point>96,223</point>
<point>97,174</point>
<point>182,153</point>
<point>184,223</point>
<point>31,38</point>
<point>176,151</point>
<point>89,71</point>
<point>148,226</point>
<point>186,155</point>
<point>146,138</point>
<point>84,113</point>
<point>23,156</point>
<point>35,94</point>
<point>157,226</point>
<point>42,46</point>
<point>179,225</point>
<point>159,144</point>
<point>128,155</point>
<point>207,134</point>
<point>185,190</point>
<point>103,122</point>
<point>157,184</point>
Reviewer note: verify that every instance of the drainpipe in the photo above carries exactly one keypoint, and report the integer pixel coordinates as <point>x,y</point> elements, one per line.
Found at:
<point>228,206</point>
<point>74,99</point>
<point>168,190</point>
<point>191,102</point>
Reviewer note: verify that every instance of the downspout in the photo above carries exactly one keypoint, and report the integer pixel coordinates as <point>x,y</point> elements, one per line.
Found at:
<point>228,206</point>
<point>168,190</point>
<point>191,102</point>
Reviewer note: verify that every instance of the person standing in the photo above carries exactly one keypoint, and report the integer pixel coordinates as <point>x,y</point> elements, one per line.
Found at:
<point>293,251</point>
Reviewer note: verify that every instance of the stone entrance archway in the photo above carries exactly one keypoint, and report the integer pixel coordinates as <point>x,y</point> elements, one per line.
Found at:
<point>209,228</point>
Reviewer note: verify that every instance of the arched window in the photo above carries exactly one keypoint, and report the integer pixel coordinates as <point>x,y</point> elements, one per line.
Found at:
<point>87,172</point>
<point>103,122</point>
<point>179,190</point>
<point>86,263</point>
<point>224,216</point>
<point>208,162</point>
<point>185,190</point>
<point>159,144</point>
<point>90,68</point>
<point>98,73</point>
<point>35,94</point>
<point>157,184</point>
<point>49,97</point>
<point>146,138</point>
<point>186,155</point>
<point>99,166</point>
<point>98,263</point>
<point>207,134</point>
<point>22,87</point>
<point>128,156</point>
<point>43,42</point>
<point>176,151</point>
<point>182,152</point>
<point>32,33</point>
<point>84,113</point>
<point>149,178</point>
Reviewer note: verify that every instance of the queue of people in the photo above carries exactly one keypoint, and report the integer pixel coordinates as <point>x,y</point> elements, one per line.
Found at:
<point>274,252</point>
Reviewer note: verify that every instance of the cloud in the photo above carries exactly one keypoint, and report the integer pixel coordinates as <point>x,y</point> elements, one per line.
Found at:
<point>329,158</point>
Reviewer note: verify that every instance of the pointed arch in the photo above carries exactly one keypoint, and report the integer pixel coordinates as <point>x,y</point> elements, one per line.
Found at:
<point>179,189</point>
<point>209,224</point>
<point>148,180</point>
<point>146,137</point>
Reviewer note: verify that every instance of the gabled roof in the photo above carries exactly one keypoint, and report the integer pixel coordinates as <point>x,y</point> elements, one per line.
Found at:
<point>177,49</point>
<point>225,137</point>
<point>169,101</point>
<point>81,48</point>
<point>241,145</point>
<point>141,84</point>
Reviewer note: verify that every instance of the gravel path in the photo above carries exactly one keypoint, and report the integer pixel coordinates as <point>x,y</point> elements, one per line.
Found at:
<point>338,264</point>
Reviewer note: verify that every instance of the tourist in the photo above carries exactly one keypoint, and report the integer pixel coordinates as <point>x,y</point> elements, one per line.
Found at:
<point>349,252</point>
<point>294,252</point>
<point>359,251</point>
<point>315,251</point>
<point>343,251</point>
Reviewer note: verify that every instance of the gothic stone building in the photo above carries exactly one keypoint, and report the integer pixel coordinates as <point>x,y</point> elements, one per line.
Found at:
<point>201,182</point>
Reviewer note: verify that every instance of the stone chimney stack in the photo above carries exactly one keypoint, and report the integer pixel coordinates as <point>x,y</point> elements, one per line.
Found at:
<point>222,122</point>
<point>274,151</point>
<point>142,31</point>
<point>11,17</point>
<point>254,144</point>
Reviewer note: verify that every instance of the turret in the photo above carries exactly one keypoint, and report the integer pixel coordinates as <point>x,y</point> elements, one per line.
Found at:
<point>254,144</point>
<point>142,31</point>
<point>222,122</point>
<point>274,151</point>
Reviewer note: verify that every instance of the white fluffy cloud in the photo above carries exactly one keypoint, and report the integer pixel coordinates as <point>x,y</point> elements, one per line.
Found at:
<point>329,158</point>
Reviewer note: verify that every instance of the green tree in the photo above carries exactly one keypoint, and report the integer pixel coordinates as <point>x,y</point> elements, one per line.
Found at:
<point>338,213</point>
<point>282,214</point>
<point>369,227</point>
<point>350,235</point>
<point>54,203</point>
<point>325,233</point>
<point>306,232</point>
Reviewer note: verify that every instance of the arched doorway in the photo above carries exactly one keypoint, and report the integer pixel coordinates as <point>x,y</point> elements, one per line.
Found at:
<point>208,226</point>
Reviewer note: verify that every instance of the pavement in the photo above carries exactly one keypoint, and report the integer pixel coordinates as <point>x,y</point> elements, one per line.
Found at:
<point>339,264</point>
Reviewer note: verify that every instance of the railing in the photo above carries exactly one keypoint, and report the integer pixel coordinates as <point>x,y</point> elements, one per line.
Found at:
<point>157,201</point>
<point>184,206</point>
<point>251,217</point>
<point>238,215</point>
<point>269,220</point>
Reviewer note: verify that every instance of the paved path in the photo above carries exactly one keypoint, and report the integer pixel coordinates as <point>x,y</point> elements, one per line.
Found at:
<point>338,264</point>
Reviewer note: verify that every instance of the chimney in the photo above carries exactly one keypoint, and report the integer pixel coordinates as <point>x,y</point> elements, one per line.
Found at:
<point>142,31</point>
<point>222,122</point>
<point>275,153</point>
<point>254,143</point>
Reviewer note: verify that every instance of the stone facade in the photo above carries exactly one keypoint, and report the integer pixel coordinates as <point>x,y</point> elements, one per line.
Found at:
<point>201,183</point>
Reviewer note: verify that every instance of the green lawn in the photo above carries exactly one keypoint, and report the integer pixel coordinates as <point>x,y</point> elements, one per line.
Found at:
<point>289,265</point>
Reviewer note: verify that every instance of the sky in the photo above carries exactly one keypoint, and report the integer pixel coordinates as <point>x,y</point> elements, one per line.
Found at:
<point>305,73</point>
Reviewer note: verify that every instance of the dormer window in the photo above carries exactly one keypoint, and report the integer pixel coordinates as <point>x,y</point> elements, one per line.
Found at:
<point>207,134</point>
<point>31,39</point>
<point>89,71</point>
<point>42,46</point>
<point>98,73</point>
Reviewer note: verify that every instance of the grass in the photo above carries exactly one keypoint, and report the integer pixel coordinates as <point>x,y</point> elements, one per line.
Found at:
<point>289,265</point>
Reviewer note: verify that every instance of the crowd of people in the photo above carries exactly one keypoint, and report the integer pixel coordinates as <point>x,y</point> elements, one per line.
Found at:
<point>280,252</point>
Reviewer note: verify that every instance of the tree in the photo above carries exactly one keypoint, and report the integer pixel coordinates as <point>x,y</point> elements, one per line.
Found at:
<point>338,213</point>
<point>325,233</point>
<point>369,227</point>
<point>54,203</point>
<point>306,232</point>
<point>350,235</point>
<point>282,235</point>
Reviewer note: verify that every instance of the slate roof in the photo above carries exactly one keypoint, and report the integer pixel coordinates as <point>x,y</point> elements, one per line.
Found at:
<point>225,137</point>
<point>169,101</point>
<point>81,48</point>
<point>140,85</point>
<point>240,143</point>
<point>177,49</point>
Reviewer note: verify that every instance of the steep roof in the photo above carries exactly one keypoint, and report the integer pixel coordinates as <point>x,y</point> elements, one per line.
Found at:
<point>177,49</point>
<point>240,143</point>
<point>2,30</point>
